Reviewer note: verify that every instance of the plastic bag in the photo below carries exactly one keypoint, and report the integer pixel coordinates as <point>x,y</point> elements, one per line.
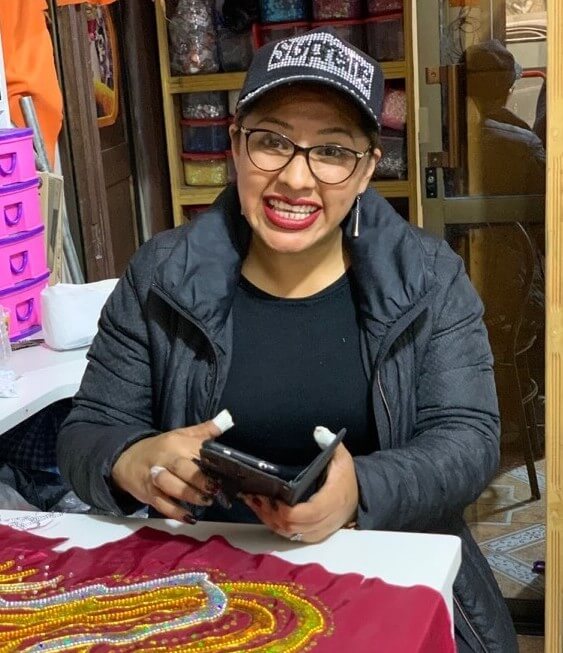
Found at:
<point>71,312</point>
<point>193,39</point>
<point>11,499</point>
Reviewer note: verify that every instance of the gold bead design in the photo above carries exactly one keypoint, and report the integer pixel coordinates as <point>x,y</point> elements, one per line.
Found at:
<point>259,617</point>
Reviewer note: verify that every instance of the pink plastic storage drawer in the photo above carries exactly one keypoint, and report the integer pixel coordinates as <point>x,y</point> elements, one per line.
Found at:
<point>19,208</point>
<point>23,303</point>
<point>17,159</point>
<point>22,256</point>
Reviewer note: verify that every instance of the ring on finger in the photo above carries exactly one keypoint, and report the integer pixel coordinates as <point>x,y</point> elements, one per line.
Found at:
<point>296,537</point>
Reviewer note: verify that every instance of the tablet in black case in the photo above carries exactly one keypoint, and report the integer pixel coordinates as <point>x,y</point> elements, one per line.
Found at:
<point>236,476</point>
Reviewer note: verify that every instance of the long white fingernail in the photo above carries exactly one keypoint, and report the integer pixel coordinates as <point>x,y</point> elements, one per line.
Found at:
<point>155,470</point>
<point>223,421</point>
<point>323,436</point>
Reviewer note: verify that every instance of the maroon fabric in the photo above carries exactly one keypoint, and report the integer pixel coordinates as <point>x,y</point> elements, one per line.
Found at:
<point>366,614</point>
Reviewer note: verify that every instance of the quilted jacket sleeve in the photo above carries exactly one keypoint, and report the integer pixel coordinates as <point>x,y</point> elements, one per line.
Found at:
<point>113,407</point>
<point>454,449</point>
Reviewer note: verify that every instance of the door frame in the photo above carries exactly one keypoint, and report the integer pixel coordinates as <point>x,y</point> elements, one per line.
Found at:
<point>430,126</point>
<point>82,137</point>
<point>554,329</point>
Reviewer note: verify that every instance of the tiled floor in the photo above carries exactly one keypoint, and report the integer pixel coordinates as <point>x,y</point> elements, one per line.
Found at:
<point>531,644</point>
<point>510,528</point>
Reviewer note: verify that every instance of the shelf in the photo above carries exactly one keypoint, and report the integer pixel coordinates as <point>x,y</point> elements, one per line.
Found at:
<point>234,81</point>
<point>394,69</point>
<point>212,82</point>
<point>392,187</point>
<point>195,195</point>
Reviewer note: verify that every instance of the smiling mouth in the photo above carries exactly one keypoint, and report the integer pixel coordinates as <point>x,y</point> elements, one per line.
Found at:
<point>288,211</point>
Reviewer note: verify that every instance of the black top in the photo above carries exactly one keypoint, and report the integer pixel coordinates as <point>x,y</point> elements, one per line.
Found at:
<point>297,364</point>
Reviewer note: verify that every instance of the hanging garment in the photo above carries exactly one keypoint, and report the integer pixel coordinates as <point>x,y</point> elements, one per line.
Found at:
<point>30,66</point>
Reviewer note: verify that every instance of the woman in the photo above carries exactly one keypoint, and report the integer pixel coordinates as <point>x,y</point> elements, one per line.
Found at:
<point>319,306</point>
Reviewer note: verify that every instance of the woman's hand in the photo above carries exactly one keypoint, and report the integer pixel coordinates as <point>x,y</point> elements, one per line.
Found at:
<point>333,506</point>
<point>159,471</point>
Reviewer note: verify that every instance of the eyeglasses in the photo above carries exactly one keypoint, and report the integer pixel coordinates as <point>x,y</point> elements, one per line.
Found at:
<point>329,164</point>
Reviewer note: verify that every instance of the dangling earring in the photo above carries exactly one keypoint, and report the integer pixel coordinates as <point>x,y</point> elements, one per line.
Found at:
<point>356,231</point>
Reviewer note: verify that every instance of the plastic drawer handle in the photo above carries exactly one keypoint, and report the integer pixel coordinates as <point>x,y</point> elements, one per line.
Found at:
<point>29,306</point>
<point>24,258</point>
<point>9,171</point>
<point>13,221</point>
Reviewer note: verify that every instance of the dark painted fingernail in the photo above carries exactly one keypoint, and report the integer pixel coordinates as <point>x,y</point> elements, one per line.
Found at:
<point>256,501</point>
<point>208,498</point>
<point>189,519</point>
<point>212,485</point>
<point>223,501</point>
<point>273,504</point>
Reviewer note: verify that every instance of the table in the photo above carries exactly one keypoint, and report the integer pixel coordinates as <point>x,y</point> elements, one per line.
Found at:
<point>45,377</point>
<point>403,559</point>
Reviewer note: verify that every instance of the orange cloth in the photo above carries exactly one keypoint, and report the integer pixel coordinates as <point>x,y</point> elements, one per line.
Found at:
<point>62,3</point>
<point>30,66</point>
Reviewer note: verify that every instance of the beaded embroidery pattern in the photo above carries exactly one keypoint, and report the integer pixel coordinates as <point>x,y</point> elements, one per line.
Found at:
<point>153,591</point>
<point>43,611</point>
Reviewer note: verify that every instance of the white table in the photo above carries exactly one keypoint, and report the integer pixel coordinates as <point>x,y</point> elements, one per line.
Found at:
<point>399,558</point>
<point>45,376</point>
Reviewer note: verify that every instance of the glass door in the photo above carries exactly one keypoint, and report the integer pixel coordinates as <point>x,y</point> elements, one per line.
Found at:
<point>482,138</point>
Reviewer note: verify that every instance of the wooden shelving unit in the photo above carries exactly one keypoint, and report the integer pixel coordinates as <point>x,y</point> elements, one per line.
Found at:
<point>172,87</point>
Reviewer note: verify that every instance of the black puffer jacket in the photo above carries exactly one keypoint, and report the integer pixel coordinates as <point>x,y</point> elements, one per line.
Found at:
<point>162,354</point>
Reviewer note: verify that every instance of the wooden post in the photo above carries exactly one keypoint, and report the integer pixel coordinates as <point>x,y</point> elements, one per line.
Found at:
<point>84,142</point>
<point>554,329</point>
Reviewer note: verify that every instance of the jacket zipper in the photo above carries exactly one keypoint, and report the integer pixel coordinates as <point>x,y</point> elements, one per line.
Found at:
<point>215,362</point>
<point>386,405</point>
<point>388,342</point>
<point>466,619</point>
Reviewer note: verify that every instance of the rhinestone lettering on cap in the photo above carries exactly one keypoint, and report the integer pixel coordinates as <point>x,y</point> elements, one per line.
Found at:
<point>327,53</point>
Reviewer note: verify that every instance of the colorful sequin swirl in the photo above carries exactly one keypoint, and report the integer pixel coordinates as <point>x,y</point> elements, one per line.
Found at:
<point>187,611</point>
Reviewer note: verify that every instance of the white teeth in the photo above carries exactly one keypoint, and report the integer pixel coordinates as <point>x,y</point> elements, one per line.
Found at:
<point>290,211</point>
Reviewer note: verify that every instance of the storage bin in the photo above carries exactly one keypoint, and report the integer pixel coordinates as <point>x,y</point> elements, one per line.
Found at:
<point>206,105</point>
<point>263,34</point>
<point>23,303</point>
<point>283,11</point>
<point>22,256</point>
<point>235,49</point>
<point>349,30</point>
<point>335,9</point>
<point>377,7</point>
<point>384,37</point>
<point>394,112</point>
<point>205,135</point>
<point>393,163</point>
<point>205,169</point>
<point>17,159</point>
<point>20,209</point>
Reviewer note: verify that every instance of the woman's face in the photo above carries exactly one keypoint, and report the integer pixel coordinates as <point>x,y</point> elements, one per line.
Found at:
<point>289,210</point>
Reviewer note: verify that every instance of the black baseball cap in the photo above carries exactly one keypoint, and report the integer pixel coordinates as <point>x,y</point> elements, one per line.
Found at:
<point>319,57</point>
<point>492,57</point>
